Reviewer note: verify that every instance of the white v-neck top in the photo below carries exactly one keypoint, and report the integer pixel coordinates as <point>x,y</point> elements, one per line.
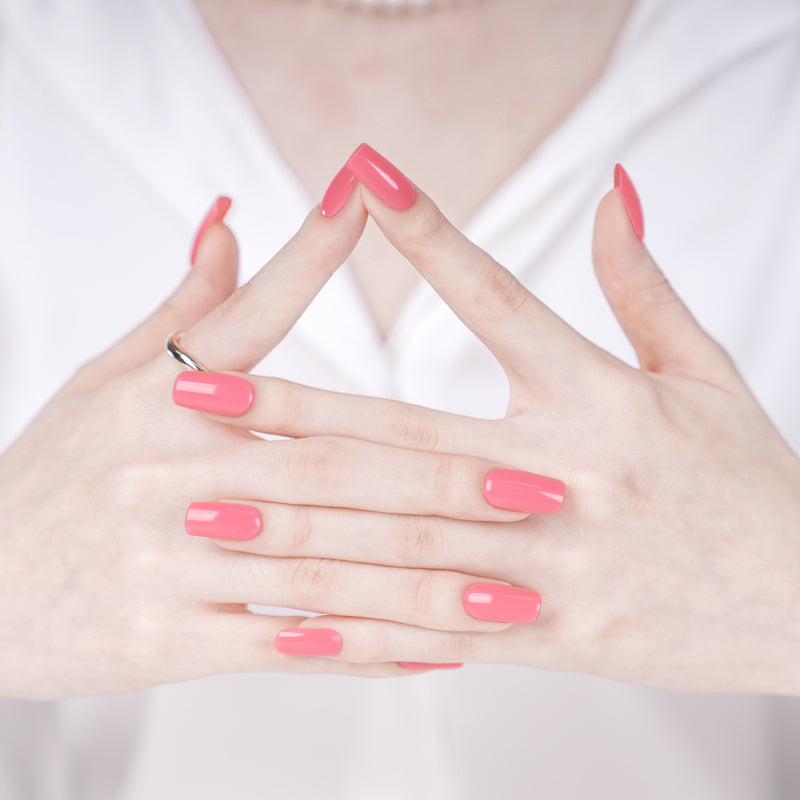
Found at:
<point>119,124</point>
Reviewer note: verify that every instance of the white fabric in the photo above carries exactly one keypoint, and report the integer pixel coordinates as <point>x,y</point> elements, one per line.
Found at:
<point>120,122</point>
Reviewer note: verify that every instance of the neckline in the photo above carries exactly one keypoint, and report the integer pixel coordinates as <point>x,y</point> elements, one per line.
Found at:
<point>482,223</point>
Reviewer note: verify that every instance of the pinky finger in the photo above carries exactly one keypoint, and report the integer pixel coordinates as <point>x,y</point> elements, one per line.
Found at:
<point>369,641</point>
<point>239,640</point>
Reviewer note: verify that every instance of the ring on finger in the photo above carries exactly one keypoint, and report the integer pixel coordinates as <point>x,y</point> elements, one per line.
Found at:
<point>180,355</point>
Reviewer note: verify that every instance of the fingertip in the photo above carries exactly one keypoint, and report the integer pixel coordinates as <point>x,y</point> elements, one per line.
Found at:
<point>616,249</point>
<point>381,177</point>
<point>214,275</point>
<point>417,231</point>
<point>338,193</point>
<point>339,231</point>
<point>630,197</point>
<point>216,213</point>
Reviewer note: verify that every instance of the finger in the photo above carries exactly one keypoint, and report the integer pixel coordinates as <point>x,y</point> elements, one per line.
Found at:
<point>526,337</point>
<point>372,641</point>
<point>273,405</point>
<point>661,329</point>
<point>439,599</point>
<point>211,280</point>
<point>237,640</point>
<point>240,332</point>
<point>348,473</point>
<point>394,540</point>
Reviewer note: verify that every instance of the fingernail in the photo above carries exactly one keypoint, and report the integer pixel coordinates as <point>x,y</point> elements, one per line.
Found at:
<point>633,206</point>
<point>515,490</point>
<point>498,603</point>
<point>308,642</point>
<point>382,178</point>
<point>223,521</point>
<point>423,665</point>
<point>214,392</point>
<point>216,214</point>
<point>337,193</point>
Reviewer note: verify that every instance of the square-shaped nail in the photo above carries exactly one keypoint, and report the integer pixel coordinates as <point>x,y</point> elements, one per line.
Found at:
<point>215,392</point>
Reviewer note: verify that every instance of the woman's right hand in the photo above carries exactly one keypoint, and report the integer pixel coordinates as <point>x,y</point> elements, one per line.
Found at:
<point>100,588</point>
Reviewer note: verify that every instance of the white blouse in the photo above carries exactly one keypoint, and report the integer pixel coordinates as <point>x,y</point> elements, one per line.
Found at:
<point>120,122</point>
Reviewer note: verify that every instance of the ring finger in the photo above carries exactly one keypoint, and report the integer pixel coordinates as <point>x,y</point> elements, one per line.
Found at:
<point>351,473</point>
<point>438,599</point>
<point>395,540</point>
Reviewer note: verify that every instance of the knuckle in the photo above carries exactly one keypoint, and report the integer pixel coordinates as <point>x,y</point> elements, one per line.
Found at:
<point>451,488</point>
<point>412,429</point>
<point>420,539</point>
<point>313,578</point>
<point>129,483</point>
<point>379,647</point>
<point>143,636</point>
<point>317,461</point>
<point>301,529</point>
<point>443,480</point>
<point>642,395</point>
<point>142,569</point>
<point>425,593</point>
<point>461,646</point>
<point>656,290</point>
<point>501,292</point>
<point>285,404</point>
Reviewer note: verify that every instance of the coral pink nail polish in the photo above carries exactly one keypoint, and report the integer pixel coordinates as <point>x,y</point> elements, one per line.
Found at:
<point>223,521</point>
<point>382,178</point>
<point>337,193</point>
<point>498,603</point>
<point>633,206</point>
<point>216,214</point>
<point>308,642</point>
<point>214,392</point>
<point>424,665</point>
<point>516,490</point>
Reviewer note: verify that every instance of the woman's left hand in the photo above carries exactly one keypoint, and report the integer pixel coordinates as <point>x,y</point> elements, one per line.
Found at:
<point>675,560</point>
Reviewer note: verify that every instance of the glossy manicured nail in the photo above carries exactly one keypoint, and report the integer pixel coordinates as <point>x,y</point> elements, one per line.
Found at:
<point>498,603</point>
<point>633,206</point>
<point>337,193</point>
<point>216,214</point>
<point>214,392</point>
<point>382,178</point>
<point>223,521</point>
<point>515,490</point>
<point>423,665</point>
<point>308,642</point>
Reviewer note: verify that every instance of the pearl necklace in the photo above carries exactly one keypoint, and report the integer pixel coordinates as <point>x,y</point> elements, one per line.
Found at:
<point>394,5</point>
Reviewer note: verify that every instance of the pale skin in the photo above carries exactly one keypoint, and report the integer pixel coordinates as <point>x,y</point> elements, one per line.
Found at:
<point>660,569</point>
<point>100,588</point>
<point>674,560</point>
<point>506,76</point>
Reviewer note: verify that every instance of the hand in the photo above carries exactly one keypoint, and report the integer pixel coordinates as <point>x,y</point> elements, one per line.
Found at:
<point>674,561</point>
<point>100,588</point>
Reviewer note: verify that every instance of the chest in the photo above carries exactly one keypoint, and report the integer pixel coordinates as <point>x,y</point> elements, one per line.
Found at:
<point>456,98</point>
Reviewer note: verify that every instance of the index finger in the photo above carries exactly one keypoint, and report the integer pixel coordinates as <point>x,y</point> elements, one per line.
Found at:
<point>237,334</point>
<point>524,335</point>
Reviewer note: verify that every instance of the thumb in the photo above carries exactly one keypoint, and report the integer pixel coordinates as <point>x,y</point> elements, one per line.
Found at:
<point>665,335</point>
<point>210,281</point>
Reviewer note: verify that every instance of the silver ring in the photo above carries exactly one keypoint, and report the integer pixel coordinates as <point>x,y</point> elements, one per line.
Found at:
<point>181,355</point>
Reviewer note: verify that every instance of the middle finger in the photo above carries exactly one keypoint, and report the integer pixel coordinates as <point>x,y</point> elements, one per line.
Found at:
<point>350,473</point>
<point>436,599</point>
<point>395,540</point>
